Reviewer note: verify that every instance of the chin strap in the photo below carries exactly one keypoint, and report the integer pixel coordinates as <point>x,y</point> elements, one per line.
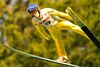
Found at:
<point>40,16</point>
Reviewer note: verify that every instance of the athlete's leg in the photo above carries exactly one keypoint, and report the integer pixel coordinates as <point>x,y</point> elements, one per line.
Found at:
<point>56,35</point>
<point>67,25</point>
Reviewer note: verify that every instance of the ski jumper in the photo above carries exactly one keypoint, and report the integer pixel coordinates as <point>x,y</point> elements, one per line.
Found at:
<point>55,21</point>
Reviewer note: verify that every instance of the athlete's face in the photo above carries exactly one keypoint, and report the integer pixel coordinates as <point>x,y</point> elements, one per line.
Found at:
<point>35,13</point>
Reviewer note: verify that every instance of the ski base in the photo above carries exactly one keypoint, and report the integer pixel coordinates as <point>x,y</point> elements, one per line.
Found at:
<point>83,26</point>
<point>37,57</point>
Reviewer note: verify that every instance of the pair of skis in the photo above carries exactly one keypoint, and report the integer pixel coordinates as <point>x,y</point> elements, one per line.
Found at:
<point>82,26</point>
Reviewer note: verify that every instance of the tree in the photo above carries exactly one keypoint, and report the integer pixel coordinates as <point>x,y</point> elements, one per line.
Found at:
<point>16,27</point>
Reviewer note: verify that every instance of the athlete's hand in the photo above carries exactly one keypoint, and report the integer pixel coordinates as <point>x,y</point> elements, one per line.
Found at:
<point>48,37</point>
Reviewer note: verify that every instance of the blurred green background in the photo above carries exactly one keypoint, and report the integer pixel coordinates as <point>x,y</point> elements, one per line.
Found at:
<point>16,28</point>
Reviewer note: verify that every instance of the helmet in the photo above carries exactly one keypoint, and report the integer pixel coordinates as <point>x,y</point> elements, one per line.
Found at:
<point>31,7</point>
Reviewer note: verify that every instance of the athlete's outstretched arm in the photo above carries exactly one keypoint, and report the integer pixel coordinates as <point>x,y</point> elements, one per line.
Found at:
<point>58,13</point>
<point>41,30</point>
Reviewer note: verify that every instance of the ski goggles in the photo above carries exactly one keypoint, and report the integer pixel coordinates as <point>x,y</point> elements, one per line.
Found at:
<point>34,11</point>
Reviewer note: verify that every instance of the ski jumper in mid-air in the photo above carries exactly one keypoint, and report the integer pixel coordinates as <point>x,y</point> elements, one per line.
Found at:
<point>54,21</point>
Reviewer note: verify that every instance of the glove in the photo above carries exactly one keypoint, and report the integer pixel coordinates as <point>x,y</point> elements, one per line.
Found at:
<point>48,37</point>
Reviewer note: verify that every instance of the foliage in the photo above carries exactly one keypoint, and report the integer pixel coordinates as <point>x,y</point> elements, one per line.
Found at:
<point>16,27</point>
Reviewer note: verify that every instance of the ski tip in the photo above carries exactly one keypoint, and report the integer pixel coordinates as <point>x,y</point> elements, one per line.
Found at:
<point>68,10</point>
<point>4,44</point>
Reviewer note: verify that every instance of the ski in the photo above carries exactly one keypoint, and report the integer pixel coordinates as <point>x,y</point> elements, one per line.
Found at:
<point>83,26</point>
<point>38,57</point>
